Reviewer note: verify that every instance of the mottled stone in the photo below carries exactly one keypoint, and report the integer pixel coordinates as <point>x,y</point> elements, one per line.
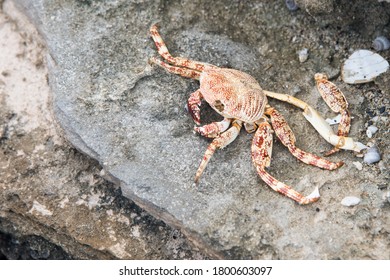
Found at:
<point>129,117</point>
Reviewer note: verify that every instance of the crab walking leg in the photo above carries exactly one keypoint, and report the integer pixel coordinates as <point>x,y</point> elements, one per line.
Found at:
<point>185,72</point>
<point>287,190</point>
<point>318,122</point>
<point>179,61</point>
<point>220,142</point>
<point>213,129</point>
<point>287,98</point>
<point>286,136</point>
<point>261,157</point>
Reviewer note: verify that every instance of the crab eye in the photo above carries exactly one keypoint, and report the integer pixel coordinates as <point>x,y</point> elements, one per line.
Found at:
<point>218,105</point>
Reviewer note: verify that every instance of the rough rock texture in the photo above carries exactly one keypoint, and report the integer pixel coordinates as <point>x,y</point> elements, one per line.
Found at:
<point>129,117</point>
<point>54,202</point>
<point>316,7</point>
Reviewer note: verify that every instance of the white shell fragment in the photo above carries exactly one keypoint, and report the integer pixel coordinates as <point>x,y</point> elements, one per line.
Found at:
<point>350,201</point>
<point>303,55</point>
<point>381,43</point>
<point>371,130</point>
<point>363,66</point>
<point>335,120</point>
<point>372,155</point>
<point>358,165</point>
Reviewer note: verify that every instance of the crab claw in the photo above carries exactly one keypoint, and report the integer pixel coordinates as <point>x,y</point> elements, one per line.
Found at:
<point>193,104</point>
<point>194,111</point>
<point>336,101</point>
<point>213,129</point>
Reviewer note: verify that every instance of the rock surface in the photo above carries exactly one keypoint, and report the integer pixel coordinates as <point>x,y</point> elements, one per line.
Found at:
<point>54,202</point>
<point>129,117</point>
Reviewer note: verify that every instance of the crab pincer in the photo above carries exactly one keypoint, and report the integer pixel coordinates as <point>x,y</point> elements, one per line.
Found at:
<point>336,101</point>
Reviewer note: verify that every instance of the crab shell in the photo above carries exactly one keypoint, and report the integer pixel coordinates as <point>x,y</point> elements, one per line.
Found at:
<point>233,94</point>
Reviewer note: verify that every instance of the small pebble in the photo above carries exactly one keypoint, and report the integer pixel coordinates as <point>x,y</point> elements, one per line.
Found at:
<point>358,165</point>
<point>350,201</point>
<point>370,113</point>
<point>296,89</point>
<point>375,119</point>
<point>387,196</point>
<point>381,43</point>
<point>371,130</point>
<point>372,155</point>
<point>291,5</point>
<point>303,55</point>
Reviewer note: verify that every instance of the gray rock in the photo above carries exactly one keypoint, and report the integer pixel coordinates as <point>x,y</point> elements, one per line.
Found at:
<point>129,117</point>
<point>54,201</point>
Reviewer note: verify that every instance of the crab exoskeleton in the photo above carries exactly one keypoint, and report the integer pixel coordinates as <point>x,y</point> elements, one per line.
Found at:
<point>239,98</point>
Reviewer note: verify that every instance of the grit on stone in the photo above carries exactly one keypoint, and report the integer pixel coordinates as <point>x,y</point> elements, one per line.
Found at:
<point>117,109</point>
<point>54,201</point>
